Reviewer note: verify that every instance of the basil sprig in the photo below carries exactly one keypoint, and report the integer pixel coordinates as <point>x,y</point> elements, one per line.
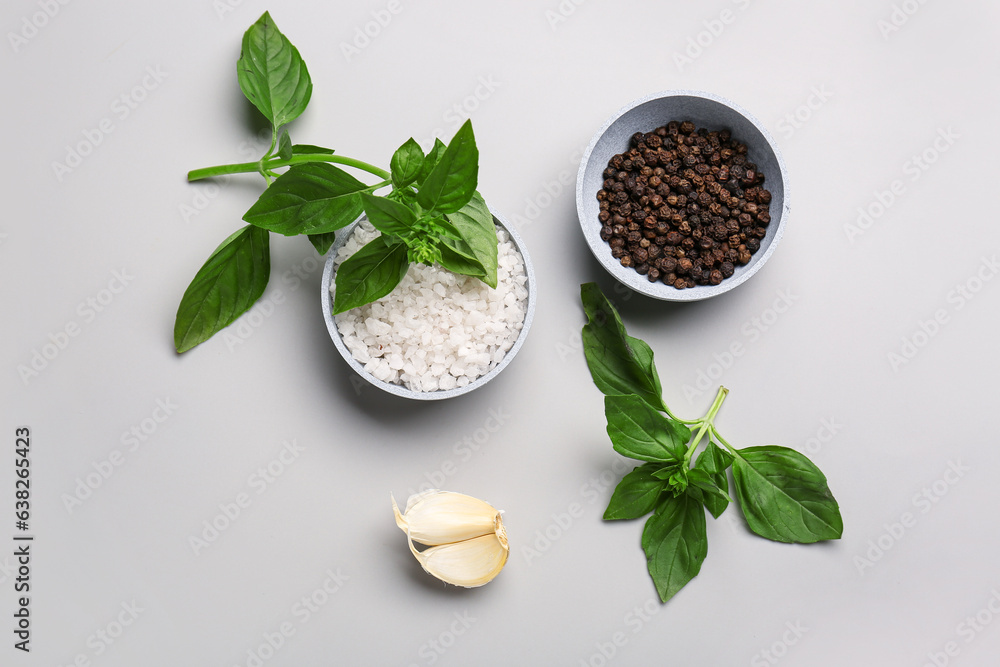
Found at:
<point>427,209</point>
<point>783,496</point>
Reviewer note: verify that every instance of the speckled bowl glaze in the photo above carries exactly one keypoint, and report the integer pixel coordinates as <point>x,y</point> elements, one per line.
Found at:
<point>398,389</point>
<point>704,110</point>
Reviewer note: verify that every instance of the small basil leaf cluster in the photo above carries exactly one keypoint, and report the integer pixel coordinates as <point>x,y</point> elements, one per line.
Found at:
<point>783,496</point>
<point>431,212</point>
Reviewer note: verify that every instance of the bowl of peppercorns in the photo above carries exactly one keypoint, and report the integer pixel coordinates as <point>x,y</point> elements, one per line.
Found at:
<point>682,195</point>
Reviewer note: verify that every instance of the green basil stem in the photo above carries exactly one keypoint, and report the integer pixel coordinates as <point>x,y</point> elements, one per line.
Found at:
<point>276,163</point>
<point>687,422</point>
<point>725,444</point>
<point>706,423</point>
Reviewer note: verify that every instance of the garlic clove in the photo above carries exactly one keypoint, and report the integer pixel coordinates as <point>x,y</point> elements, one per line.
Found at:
<point>443,517</point>
<point>470,563</point>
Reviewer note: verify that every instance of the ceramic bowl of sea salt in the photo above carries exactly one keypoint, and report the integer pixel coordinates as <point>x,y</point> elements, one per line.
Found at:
<point>437,335</point>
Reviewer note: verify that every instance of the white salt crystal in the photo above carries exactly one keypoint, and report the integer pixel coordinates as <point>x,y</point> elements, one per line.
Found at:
<point>436,330</point>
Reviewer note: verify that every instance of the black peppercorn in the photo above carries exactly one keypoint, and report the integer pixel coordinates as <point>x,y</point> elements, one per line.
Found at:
<point>683,200</point>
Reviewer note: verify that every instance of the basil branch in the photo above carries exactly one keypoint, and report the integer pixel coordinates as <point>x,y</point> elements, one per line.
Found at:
<point>783,496</point>
<point>706,423</point>
<point>277,163</point>
<point>432,214</point>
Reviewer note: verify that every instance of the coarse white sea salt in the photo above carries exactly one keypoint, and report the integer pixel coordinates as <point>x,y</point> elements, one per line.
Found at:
<point>436,330</point>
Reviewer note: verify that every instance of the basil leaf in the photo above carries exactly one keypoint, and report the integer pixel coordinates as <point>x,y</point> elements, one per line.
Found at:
<point>309,149</point>
<point>310,198</point>
<point>440,226</point>
<point>406,163</point>
<point>431,160</point>
<point>474,223</point>
<point>224,288</point>
<point>784,496</point>
<point>456,255</point>
<point>451,183</point>
<point>665,472</point>
<point>618,363</point>
<point>322,242</point>
<point>387,216</point>
<point>285,146</point>
<point>635,495</point>
<point>369,274</point>
<point>675,543</point>
<point>713,462</point>
<point>460,262</point>
<point>713,459</point>
<point>705,488</point>
<point>272,74</point>
<point>640,432</point>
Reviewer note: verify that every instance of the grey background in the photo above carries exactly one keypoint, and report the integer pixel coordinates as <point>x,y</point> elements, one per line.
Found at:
<point>817,377</point>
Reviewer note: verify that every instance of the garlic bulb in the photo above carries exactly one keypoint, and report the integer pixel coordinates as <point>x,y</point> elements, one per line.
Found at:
<point>467,540</point>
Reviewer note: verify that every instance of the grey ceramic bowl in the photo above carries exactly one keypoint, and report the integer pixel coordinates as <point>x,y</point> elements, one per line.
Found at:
<point>398,389</point>
<point>704,110</point>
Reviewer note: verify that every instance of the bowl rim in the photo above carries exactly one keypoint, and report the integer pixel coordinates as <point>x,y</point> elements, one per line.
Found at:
<point>401,390</point>
<point>659,290</point>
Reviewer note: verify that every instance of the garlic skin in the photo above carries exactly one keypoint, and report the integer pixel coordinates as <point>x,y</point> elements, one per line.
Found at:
<point>467,539</point>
